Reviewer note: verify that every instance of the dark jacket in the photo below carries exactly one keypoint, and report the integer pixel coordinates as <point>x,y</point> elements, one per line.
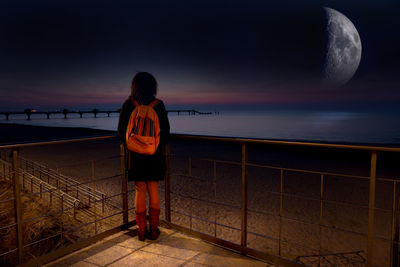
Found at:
<point>145,167</point>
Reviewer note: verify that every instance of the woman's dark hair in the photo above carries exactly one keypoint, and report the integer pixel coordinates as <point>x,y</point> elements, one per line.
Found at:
<point>144,87</point>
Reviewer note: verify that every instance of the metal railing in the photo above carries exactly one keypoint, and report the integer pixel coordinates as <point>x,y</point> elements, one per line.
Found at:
<point>319,255</point>
<point>62,181</point>
<point>218,203</point>
<point>57,192</point>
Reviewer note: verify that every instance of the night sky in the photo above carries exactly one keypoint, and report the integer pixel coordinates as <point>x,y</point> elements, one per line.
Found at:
<point>80,54</point>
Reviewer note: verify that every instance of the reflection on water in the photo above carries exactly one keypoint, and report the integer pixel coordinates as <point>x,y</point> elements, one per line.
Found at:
<point>311,126</point>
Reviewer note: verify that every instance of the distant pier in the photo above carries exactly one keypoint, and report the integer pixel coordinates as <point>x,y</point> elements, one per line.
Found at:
<point>66,112</point>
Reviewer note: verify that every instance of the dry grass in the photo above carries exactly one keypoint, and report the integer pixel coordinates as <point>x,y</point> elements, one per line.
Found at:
<point>32,231</point>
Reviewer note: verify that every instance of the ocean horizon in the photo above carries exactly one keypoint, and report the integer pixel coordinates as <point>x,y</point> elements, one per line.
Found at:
<point>336,127</point>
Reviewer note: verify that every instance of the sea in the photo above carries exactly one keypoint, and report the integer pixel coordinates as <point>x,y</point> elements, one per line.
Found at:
<point>326,127</point>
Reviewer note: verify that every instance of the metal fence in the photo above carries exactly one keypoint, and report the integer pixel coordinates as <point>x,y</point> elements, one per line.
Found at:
<point>288,216</point>
<point>48,212</point>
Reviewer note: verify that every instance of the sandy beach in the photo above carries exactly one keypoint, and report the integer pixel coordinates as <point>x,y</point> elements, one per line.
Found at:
<point>213,202</point>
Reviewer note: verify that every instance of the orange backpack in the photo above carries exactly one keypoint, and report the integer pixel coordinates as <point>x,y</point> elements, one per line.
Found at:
<point>143,132</point>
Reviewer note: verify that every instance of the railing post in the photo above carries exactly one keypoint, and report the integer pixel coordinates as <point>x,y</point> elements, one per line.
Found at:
<point>244,197</point>
<point>371,211</point>
<point>93,189</point>
<point>18,207</point>
<point>190,192</point>
<point>94,196</point>
<point>124,186</point>
<point>215,198</point>
<point>394,250</point>
<point>62,202</point>
<point>280,212</point>
<point>51,197</point>
<point>75,210</point>
<point>102,202</point>
<point>321,206</point>
<point>167,184</point>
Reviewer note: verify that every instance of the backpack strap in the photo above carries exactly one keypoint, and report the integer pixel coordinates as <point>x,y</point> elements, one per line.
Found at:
<point>154,103</point>
<point>135,103</point>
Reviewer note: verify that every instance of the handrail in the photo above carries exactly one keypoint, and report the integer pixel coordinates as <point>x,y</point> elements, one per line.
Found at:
<point>290,143</point>
<point>220,139</point>
<point>68,181</point>
<point>57,142</point>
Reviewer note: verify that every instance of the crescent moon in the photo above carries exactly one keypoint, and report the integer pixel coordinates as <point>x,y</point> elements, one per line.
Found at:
<point>343,52</point>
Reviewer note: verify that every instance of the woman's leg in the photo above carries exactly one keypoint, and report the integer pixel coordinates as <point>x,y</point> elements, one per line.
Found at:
<point>140,197</point>
<point>154,197</point>
<point>154,209</point>
<point>140,206</point>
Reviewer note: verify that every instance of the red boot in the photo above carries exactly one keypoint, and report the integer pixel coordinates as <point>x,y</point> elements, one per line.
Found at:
<point>154,219</point>
<point>141,223</point>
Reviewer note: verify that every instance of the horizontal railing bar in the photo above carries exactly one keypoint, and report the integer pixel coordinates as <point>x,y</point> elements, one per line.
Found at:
<point>216,160</point>
<point>92,181</point>
<point>72,229</point>
<point>289,143</point>
<point>99,179</point>
<point>205,220</point>
<point>79,164</point>
<point>306,171</point>
<point>67,141</point>
<point>57,192</point>
<point>107,197</point>
<point>263,212</point>
<point>33,164</point>
<point>6,200</point>
<point>133,208</point>
<point>67,198</point>
<point>43,239</point>
<point>294,170</point>
<point>207,201</point>
<point>323,225</point>
<point>191,177</point>
<point>47,215</point>
<point>8,252</point>
<point>8,226</point>
<point>220,139</point>
<point>263,236</point>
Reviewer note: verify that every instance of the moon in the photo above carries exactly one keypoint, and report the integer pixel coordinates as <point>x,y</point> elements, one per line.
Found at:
<point>343,50</point>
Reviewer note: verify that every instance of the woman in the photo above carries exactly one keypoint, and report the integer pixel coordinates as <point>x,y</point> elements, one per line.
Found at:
<point>145,170</point>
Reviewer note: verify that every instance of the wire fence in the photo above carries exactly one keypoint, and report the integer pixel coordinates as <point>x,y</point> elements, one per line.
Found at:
<point>228,194</point>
